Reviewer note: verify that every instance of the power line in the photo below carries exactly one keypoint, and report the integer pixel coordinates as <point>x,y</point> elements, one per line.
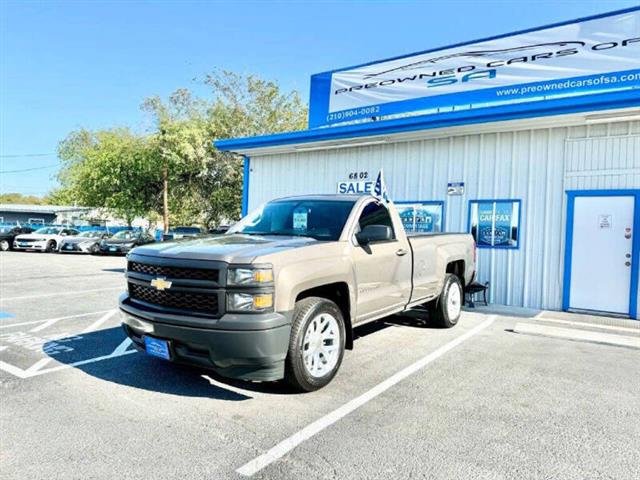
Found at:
<point>20,155</point>
<point>30,169</point>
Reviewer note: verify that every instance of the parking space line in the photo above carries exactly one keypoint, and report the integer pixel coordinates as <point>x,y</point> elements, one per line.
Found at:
<point>77,292</point>
<point>31,322</point>
<point>309,431</point>
<point>100,321</point>
<point>118,352</point>
<point>37,369</point>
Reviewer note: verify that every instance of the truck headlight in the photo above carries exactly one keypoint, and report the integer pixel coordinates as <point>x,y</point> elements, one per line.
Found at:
<point>246,277</point>
<point>249,302</point>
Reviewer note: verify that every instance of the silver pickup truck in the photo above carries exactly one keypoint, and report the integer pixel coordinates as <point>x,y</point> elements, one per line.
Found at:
<point>278,295</point>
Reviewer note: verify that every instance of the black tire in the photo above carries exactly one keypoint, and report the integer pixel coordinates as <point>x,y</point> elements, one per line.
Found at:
<point>296,373</point>
<point>4,245</point>
<point>94,250</point>
<point>51,246</point>
<point>438,310</point>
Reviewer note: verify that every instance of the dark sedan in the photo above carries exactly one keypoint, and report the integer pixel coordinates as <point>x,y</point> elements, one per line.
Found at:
<point>122,242</point>
<point>7,234</point>
<point>178,233</point>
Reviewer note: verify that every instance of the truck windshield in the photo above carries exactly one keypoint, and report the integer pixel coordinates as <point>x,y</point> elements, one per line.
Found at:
<point>319,219</point>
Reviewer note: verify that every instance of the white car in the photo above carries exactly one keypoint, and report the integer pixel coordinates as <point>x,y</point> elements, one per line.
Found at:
<point>45,239</point>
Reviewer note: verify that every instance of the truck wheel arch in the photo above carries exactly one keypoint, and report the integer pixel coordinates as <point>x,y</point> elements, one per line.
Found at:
<point>457,268</point>
<point>339,294</point>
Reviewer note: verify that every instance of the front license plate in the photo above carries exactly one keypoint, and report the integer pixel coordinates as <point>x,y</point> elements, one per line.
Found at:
<point>113,249</point>
<point>24,244</point>
<point>157,347</point>
<point>68,247</point>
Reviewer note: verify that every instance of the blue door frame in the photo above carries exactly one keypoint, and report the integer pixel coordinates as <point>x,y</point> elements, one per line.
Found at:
<point>635,253</point>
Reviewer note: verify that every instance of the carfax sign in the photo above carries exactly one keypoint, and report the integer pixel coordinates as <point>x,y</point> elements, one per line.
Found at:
<point>591,55</point>
<point>495,223</point>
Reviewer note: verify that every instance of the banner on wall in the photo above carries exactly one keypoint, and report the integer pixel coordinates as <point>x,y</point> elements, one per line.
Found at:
<point>421,217</point>
<point>591,55</point>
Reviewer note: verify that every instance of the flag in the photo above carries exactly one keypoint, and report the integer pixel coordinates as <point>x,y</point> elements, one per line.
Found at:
<point>380,188</point>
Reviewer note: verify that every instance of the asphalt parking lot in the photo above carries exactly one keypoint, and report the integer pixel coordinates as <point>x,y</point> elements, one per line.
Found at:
<point>411,400</point>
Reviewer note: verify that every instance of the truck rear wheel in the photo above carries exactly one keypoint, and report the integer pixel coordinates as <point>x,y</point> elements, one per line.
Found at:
<point>446,309</point>
<point>316,346</point>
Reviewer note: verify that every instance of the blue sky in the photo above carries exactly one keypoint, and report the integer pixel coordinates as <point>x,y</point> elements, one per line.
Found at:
<point>66,65</point>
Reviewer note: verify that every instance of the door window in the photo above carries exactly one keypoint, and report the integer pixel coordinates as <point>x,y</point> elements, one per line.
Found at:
<point>376,214</point>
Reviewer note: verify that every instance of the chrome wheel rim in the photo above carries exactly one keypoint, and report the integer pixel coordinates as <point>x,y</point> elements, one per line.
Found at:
<point>454,303</point>
<point>321,345</point>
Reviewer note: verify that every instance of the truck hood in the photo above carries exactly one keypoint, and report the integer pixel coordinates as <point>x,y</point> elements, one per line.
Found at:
<point>235,248</point>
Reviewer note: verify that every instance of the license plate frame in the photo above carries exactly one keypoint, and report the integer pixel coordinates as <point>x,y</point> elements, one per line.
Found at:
<point>157,347</point>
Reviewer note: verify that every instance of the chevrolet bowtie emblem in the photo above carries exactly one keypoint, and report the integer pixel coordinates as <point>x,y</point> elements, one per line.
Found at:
<point>160,283</point>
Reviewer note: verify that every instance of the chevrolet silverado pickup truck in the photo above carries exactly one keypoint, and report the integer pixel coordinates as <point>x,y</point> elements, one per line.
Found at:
<point>278,295</point>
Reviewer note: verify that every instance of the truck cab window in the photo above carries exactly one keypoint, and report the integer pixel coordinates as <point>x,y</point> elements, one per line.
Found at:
<point>376,214</point>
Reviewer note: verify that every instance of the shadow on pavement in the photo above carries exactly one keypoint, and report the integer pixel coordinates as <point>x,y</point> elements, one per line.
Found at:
<point>140,370</point>
<point>136,370</point>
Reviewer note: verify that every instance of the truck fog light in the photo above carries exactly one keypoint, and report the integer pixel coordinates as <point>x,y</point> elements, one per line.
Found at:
<point>249,302</point>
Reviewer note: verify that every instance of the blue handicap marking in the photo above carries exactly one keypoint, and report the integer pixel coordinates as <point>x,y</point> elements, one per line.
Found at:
<point>6,315</point>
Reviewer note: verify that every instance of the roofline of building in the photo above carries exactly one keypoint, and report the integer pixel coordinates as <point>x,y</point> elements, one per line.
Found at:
<point>46,209</point>
<point>512,111</point>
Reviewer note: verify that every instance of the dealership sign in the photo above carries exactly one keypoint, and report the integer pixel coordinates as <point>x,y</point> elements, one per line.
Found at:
<point>591,55</point>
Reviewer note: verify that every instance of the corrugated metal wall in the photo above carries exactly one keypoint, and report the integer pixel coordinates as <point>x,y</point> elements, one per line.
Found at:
<point>536,166</point>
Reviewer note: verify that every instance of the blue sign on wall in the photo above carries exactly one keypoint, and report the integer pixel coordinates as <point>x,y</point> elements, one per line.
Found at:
<point>495,223</point>
<point>421,217</point>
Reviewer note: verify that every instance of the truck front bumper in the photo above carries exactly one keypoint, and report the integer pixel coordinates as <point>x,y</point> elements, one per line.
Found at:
<point>257,351</point>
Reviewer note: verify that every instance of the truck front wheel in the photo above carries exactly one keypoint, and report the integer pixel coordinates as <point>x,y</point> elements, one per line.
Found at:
<point>446,309</point>
<point>316,346</point>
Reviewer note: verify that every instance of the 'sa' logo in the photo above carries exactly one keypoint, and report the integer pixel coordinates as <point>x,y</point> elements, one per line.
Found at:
<point>160,283</point>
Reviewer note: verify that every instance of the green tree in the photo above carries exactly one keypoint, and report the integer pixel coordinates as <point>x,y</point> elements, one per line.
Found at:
<point>175,169</point>
<point>198,181</point>
<point>14,197</point>
<point>112,169</point>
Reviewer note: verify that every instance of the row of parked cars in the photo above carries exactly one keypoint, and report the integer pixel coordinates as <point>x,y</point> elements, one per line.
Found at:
<point>70,240</point>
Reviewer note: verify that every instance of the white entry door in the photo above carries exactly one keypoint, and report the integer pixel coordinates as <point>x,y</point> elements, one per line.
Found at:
<point>601,253</point>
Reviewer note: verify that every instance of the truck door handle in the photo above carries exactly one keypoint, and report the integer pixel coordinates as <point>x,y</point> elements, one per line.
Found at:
<point>401,252</point>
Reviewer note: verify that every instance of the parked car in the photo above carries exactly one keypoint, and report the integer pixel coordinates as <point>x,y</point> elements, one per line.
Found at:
<point>45,239</point>
<point>85,242</point>
<point>219,230</point>
<point>8,234</point>
<point>178,233</point>
<point>123,241</point>
<point>278,295</point>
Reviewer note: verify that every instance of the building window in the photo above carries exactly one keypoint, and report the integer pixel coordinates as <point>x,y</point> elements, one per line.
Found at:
<point>495,223</point>
<point>422,216</point>
<point>36,221</point>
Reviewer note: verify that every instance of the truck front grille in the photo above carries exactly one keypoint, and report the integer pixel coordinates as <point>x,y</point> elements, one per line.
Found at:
<point>205,302</point>
<point>207,274</point>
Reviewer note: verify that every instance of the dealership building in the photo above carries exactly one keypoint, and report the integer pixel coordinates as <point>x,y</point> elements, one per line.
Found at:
<point>529,141</point>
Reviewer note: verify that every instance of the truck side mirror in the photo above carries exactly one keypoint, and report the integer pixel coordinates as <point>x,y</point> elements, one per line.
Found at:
<point>374,233</point>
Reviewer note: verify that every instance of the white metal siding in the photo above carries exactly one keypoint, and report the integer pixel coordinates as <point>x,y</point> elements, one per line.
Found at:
<point>526,164</point>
